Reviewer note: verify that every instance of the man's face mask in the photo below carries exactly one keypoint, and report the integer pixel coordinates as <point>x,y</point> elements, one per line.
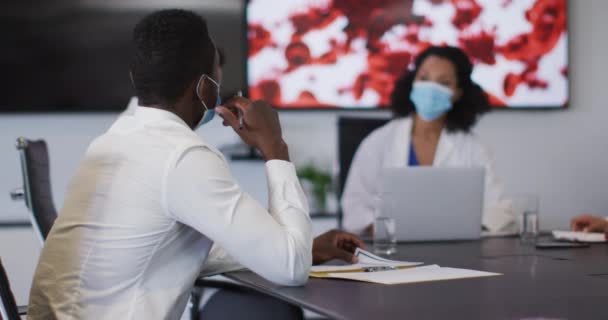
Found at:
<point>209,113</point>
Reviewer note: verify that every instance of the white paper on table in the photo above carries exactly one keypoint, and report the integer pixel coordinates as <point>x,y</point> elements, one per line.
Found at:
<point>579,236</point>
<point>366,259</point>
<point>413,275</point>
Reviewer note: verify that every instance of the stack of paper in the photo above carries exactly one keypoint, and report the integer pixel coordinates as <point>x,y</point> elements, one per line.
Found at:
<point>400,271</point>
<point>413,275</point>
<point>579,236</point>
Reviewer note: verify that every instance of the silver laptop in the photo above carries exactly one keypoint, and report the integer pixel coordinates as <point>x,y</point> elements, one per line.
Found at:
<point>431,204</point>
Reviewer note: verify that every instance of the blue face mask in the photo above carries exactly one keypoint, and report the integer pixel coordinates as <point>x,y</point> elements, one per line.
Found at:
<point>431,99</point>
<point>209,113</point>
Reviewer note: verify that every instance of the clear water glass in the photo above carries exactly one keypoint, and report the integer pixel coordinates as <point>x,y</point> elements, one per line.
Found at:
<point>529,226</point>
<point>526,208</point>
<point>385,239</point>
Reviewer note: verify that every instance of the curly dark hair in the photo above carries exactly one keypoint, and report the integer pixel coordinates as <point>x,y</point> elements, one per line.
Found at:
<point>171,48</point>
<point>465,111</point>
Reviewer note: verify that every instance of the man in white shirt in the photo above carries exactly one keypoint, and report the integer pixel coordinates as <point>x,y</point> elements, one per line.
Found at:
<point>151,197</point>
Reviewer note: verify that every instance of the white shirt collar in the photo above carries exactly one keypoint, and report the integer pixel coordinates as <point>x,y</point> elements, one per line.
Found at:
<point>149,114</point>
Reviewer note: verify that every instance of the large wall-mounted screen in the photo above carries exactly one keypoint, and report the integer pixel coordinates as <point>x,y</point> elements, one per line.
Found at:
<point>348,53</point>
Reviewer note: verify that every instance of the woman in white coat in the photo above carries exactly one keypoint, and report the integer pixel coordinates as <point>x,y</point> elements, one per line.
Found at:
<point>435,106</point>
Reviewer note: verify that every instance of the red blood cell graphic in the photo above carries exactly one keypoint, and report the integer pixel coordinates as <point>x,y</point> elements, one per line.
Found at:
<point>382,37</point>
<point>495,101</point>
<point>479,46</point>
<point>510,83</point>
<point>383,71</point>
<point>548,19</point>
<point>268,90</point>
<point>307,98</point>
<point>467,11</point>
<point>372,18</point>
<point>297,54</point>
<point>411,35</point>
<point>313,19</point>
<point>528,77</point>
<point>516,48</point>
<point>258,39</point>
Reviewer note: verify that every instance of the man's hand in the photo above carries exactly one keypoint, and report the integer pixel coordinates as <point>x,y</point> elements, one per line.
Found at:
<point>335,244</point>
<point>261,127</point>
<point>589,223</point>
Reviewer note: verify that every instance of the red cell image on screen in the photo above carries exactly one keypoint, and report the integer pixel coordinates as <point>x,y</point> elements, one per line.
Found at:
<point>349,53</point>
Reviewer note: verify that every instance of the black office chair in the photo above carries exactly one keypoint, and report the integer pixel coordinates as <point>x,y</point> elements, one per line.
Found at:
<point>351,131</point>
<point>8,306</point>
<point>36,189</point>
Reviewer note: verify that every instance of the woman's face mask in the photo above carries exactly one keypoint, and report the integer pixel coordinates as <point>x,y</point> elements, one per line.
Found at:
<point>209,113</point>
<point>431,99</point>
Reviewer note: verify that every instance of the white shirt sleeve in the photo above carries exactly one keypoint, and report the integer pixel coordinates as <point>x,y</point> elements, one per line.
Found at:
<point>201,193</point>
<point>219,261</point>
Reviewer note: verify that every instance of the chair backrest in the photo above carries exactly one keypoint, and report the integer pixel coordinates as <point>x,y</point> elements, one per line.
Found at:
<point>351,131</point>
<point>8,306</point>
<point>37,185</point>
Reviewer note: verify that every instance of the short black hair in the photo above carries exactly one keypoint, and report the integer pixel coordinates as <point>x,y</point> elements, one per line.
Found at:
<point>465,111</point>
<point>171,48</point>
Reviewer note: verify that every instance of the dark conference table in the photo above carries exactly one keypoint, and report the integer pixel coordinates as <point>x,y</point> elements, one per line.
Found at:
<point>547,284</point>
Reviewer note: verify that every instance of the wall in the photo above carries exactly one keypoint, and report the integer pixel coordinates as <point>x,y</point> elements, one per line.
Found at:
<point>558,154</point>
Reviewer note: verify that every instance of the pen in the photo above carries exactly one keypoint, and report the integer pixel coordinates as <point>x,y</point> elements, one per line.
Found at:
<point>240,94</point>
<point>378,268</point>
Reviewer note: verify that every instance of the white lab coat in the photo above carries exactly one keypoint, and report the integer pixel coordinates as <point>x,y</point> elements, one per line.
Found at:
<point>388,146</point>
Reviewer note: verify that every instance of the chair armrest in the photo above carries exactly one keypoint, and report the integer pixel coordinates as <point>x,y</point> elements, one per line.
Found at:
<point>17,194</point>
<point>22,310</point>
